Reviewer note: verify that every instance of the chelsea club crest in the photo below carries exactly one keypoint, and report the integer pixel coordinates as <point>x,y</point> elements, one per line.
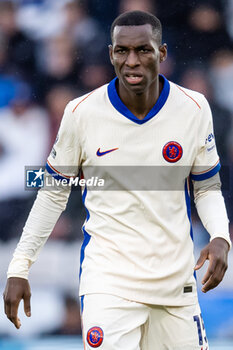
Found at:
<point>172,152</point>
<point>95,337</point>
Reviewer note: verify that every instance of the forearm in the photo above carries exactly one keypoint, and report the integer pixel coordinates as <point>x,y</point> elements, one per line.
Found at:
<point>44,214</point>
<point>211,207</point>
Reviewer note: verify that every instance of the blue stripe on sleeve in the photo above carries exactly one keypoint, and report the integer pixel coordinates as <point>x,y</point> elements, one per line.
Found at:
<point>54,174</point>
<point>207,175</point>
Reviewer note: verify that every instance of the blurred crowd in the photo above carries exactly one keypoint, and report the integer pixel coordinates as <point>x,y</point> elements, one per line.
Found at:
<point>52,51</point>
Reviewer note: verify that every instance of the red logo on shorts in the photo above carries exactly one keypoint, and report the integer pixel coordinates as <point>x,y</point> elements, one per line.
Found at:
<point>95,337</point>
<point>172,152</point>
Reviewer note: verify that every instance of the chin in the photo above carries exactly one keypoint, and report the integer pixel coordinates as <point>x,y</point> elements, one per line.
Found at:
<point>137,89</point>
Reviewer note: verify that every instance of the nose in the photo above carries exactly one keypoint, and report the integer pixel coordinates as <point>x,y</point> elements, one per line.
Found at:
<point>132,59</point>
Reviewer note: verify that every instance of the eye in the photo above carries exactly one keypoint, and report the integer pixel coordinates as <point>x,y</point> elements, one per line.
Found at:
<point>144,50</point>
<point>121,51</point>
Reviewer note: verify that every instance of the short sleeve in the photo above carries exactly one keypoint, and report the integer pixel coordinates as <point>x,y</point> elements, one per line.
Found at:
<point>64,159</point>
<point>206,163</point>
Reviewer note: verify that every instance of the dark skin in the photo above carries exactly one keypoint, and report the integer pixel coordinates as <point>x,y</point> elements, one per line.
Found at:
<point>16,290</point>
<point>136,55</point>
<point>136,52</point>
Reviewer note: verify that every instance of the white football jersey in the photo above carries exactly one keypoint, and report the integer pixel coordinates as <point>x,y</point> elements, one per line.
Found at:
<point>137,234</point>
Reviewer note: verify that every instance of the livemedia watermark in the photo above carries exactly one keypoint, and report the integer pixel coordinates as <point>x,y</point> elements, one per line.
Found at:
<point>39,178</point>
<point>120,178</point>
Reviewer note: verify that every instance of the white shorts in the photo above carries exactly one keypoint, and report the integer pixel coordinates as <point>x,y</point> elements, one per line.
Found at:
<point>112,323</point>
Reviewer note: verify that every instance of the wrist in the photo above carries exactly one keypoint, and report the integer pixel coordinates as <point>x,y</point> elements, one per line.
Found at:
<point>225,243</point>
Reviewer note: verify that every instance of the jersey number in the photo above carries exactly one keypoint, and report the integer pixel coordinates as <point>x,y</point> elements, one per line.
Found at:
<point>200,322</point>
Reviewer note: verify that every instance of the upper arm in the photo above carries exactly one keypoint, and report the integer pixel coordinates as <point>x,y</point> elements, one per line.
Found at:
<point>65,156</point>
<point>206,163</point>
<point>202,188</point>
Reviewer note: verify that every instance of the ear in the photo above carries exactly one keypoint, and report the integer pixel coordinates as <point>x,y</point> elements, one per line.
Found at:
<point>163,53</point>
<point>110,53</point>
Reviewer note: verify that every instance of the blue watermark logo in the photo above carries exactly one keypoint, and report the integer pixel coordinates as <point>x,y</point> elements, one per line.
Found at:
<point>35,178</point>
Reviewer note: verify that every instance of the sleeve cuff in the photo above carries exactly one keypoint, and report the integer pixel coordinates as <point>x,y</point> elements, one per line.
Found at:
<point>19,267</point>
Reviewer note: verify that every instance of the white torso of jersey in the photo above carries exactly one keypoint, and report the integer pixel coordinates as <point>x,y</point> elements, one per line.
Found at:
<point>137,235</point>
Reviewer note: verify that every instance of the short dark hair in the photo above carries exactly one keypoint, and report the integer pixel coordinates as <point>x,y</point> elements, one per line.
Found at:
<point>138,18</point>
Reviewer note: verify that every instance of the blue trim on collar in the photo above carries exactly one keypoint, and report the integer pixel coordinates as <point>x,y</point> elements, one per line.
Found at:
<point>121,107</point>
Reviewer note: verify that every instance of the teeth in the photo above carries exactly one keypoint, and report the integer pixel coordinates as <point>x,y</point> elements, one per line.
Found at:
<point>134,78</point>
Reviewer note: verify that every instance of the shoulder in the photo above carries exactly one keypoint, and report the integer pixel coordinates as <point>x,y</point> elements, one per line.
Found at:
<point>191,98</point>
<point>77,110</point>
<point>90,99</point>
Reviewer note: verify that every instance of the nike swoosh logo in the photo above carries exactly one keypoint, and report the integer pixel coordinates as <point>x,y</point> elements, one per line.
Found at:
<point>100,154</point>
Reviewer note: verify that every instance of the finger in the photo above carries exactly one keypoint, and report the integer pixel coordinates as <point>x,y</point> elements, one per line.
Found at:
<point>210,271</point>
<point>8,312</point>
<point>16,321</point>
<point>215,279</point>
<point>200,262</point>
<point>7,307</point>
<point>27,305</point>
<point>210,284</point>
<point>14,314</point>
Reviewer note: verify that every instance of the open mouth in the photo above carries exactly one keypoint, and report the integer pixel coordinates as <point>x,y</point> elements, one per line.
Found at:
<point>133,78</point>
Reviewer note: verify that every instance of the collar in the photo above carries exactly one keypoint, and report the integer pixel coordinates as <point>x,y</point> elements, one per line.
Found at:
<point>121,107</point>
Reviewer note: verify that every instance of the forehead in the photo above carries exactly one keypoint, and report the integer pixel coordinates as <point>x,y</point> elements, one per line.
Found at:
<point>133,35</point>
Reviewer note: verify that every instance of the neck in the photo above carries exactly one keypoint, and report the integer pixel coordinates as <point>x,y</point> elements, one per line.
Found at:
<point>140,103</point>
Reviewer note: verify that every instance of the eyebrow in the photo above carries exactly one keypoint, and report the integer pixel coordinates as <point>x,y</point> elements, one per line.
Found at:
<point>137,47</point>
<point>121,46</point>
<point>143,46</point>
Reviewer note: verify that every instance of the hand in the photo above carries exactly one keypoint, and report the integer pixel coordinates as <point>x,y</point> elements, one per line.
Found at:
<point>216,252</point>
<point>16,289</point>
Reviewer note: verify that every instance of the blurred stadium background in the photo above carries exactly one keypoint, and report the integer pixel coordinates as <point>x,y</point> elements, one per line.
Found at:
<point>52,51</point>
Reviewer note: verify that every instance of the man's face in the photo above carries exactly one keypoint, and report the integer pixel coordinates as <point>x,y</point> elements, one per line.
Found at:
<point>136,55</point>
